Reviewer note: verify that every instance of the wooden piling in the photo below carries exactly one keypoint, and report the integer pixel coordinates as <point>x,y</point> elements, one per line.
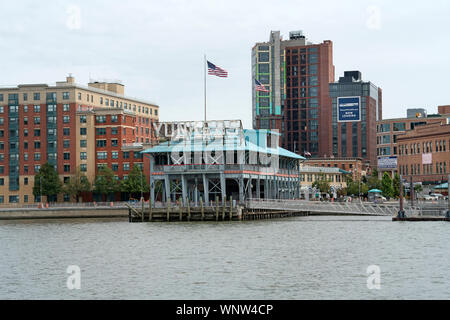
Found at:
<point>224,204</point>
<point>150,212</point>
<point>217,208</point>
<point>188,209</point>
<point>168,211</point>
<point>202,208</point>
<point>181,210</point>
<point>231,208</point>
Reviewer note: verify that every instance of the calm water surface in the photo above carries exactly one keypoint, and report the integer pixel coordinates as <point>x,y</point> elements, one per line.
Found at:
<point>298,258</point>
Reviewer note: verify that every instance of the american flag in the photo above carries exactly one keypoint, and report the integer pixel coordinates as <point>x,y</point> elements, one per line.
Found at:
<point>260,87</point>
<point>216,71</point>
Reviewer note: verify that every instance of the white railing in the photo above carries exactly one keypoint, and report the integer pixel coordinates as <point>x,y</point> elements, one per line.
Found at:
<point>324,207</point>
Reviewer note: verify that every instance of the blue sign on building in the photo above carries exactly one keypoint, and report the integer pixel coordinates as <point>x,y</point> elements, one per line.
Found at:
<point>349,109</point>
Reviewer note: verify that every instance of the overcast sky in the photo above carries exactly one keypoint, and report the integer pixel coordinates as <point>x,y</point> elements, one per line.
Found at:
<point>156,47</point>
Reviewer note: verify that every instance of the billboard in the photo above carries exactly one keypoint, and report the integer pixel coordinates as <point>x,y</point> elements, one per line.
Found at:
<point>387,162</point>
<point>349,109</point>
<point>427,158</point>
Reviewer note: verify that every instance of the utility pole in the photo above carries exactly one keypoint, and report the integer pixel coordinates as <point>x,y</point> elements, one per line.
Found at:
<point>448,196</point>
<point>142,191</point>
<point>40,187</point>
<point>401,213</point>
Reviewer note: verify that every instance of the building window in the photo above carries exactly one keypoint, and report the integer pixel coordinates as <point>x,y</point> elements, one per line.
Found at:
<point>102,155</point>
<point>101,143</point>
<point>100,131</point>
<point>66,95</point>
<point>126,155</point>
<point>66,144</point>
<point>82,119</point>
<point>83,167</point>
<point>2,181</point>
<point>37,132</point>
<point>37,156</point>
<point>13,199</point>
<point>114,131</point>
<point>114,143</point>
<point>115,167</point>
<point>100,119</point>
<point>66,168</point>
<point>83,143</point>
<point>83,155</point>
<point>126,167</point>
<point>37,96</point>
<point>115,155</point>
<point>114,118</point>
<point>37,120</point>
<point>37,144</point>
<point>83,131</point>
<point>66,108</point>
<point>66,155</point>
<point>66,131</point>
<point>51,108</point>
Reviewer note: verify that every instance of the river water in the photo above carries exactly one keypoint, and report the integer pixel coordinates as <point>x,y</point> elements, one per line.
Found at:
<point>296,258</point>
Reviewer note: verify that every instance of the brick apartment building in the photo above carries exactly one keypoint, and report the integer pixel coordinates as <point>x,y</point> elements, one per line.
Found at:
<point>424,153</point>
<point>69,126</point>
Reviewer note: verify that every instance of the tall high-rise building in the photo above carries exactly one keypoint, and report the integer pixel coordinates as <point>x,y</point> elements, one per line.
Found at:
<point>69,126</point>
<point>356,108</point>
<point>297,73</point>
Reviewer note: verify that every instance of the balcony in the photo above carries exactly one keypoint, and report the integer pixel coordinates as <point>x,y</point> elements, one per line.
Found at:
<point>217,168</point>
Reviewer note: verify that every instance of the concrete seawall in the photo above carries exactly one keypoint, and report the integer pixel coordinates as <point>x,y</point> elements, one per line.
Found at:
<point>63,213</point>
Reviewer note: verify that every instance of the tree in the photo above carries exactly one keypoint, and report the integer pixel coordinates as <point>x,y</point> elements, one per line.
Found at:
<point>373,182</point>
<point>386,186</point>
<point>77,184</point>
<point>135,183</point>
<point>46,182</point>
<point>396,185</point>
<point>322,184</point>
<point>105,183</point>
<point>357,187</point>
<point>418,188</point>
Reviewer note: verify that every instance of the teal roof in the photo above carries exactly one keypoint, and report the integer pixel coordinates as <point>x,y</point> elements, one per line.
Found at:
<point>442,186</point>
<point>375,191</point>
<point>255,140</point>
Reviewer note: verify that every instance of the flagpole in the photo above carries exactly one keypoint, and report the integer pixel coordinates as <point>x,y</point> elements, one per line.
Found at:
<point>204,62</point>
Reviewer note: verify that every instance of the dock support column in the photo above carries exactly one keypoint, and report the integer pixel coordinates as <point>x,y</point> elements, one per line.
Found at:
<point>258,188</point>
<point>152,183</point>
<point>223,188</point>
<point>241,190</point>
<point>167,188</point>
<point>206,188</point>
<point>250,188</point>
<point>195,193</point>
<point>266,188</point>
<point>184,189</point>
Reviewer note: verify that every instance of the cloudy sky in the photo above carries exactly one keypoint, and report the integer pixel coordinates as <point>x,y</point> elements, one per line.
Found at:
<point>156,47</point>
